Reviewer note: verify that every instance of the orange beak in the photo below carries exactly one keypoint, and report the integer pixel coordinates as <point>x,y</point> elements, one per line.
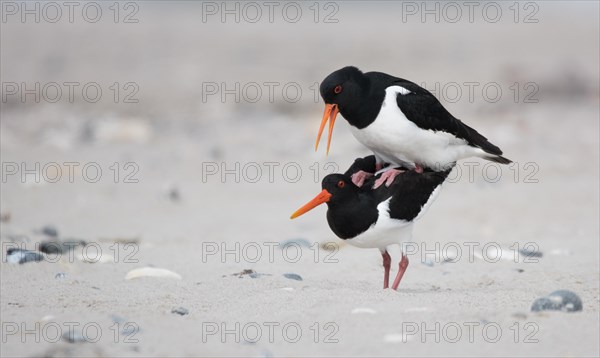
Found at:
<point>331,111</point>
<point>323,197</point>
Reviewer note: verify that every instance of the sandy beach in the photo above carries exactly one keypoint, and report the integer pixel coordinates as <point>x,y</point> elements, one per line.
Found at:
<point>201,145</point>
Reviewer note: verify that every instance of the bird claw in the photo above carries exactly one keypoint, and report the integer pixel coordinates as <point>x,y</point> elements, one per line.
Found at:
<point>359,177</point>
<point>387,178</point>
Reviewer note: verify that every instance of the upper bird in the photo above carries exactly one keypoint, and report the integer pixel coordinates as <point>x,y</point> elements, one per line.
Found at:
<point>401,122</point>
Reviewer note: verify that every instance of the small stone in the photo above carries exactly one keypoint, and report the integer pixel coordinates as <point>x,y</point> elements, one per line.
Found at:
<point>294,242</point>
<point>427,263</point>
<point>60,275</point>
<point>570,301</point>
<point>20,256</point>
<point>250,273</point>
<point>59,247</point>
<point>5,217</point>
<point>151,272</point>
<point>72,336</point>
<point>520,270</point>
<point>174,194</point>
<point>180,311</point>
<point>360,310</point>
<point>561,300</point>
<point>51,247</point>
<point>530,253</point>
<point>545,304</point>
<point>50,230</point>
<point>293,276</point>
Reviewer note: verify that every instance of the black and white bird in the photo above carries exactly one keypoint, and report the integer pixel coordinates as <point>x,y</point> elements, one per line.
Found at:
<point>401,122</point>
<point>377,218</point>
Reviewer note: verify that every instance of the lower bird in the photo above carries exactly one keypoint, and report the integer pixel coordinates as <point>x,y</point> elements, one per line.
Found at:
<point>401,122</point>
<point>377,218</point>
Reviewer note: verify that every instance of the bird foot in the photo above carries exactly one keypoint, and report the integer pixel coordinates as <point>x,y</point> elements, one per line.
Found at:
<point>387,177</point>
<point>359,177</point>
<point>418,168</point>
<point>401,269</point>
<point>387,262</point>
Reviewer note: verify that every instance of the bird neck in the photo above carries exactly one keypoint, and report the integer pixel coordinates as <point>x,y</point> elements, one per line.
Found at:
<point>363,111</point>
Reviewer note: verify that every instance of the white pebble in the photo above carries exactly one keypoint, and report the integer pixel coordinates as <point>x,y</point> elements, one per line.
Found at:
<point>359,310</point>
<point>151,272</point>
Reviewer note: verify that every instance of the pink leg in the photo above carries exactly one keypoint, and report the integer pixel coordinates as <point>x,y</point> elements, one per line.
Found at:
<point>378,166</point>
<point>401,269</point>
<point>387,178</point>
<point>359,177</point>
<point>418,168</point>
<point>387,262</point>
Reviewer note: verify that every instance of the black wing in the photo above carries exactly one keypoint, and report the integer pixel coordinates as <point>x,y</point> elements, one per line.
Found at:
<point>412,190</point>
<point>422,108</point>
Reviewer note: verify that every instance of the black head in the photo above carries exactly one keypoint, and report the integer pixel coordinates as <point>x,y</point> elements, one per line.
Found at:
<point>340,187</point>
<point>337,188</point>
<point>343,87</point>
<point>344,92</point>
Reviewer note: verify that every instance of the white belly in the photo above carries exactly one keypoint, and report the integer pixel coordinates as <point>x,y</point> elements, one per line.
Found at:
<point>384,232</point>
<point>397,140</point>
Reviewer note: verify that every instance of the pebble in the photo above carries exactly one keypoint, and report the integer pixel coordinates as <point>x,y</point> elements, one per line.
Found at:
<point>73,337</point>
<point>251,273</point>
<point>5,217</point>
<point>561,300</point>
<point>151,272</point>
<point>50,230</point>
<point>367,310</point>
<point>397,338</point>
<point>427,263</point>
<point>20,256</point>
<point>295,242</point>
<point>60,275</point>
<point>182,311</point>
<point>58,247</point>
<point>530,253</point>
<point>293,276</point>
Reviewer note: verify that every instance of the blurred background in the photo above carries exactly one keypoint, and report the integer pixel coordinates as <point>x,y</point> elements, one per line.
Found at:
<point>175,123</point>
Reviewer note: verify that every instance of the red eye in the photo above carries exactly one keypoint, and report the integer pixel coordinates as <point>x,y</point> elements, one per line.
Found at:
<point>341,184</point>
<point>337,89</point>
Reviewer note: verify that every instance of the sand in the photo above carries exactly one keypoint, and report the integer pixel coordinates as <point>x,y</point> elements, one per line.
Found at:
<point>205,186</point>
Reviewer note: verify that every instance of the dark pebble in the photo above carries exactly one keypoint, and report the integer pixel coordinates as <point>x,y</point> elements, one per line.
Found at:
<point>50,231</point>
<point>561,300</point>
<point>530,253</point>
<point>545,304</point>
<point>570,301</point>
<point>295,242</point>
<point>21,256</point>
<point>180,311</point>
<point>73,337</point>
<point>251,273</point>
<point>292,276</point>
<point>58,247</point>
<point>51,247</point>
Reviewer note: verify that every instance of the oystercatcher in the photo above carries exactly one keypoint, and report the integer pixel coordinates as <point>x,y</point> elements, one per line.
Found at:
<point>401,122</point>
<point>377,218</point>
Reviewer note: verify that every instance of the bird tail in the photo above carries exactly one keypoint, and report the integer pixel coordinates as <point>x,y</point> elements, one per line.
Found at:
<point>498,159</point>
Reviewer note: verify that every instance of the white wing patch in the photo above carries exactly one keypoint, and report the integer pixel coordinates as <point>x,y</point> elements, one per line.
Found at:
<point>403,91</point>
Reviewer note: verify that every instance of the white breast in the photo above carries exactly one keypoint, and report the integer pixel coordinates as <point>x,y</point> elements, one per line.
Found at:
<point>396,140</point>
<point>386,231</point>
